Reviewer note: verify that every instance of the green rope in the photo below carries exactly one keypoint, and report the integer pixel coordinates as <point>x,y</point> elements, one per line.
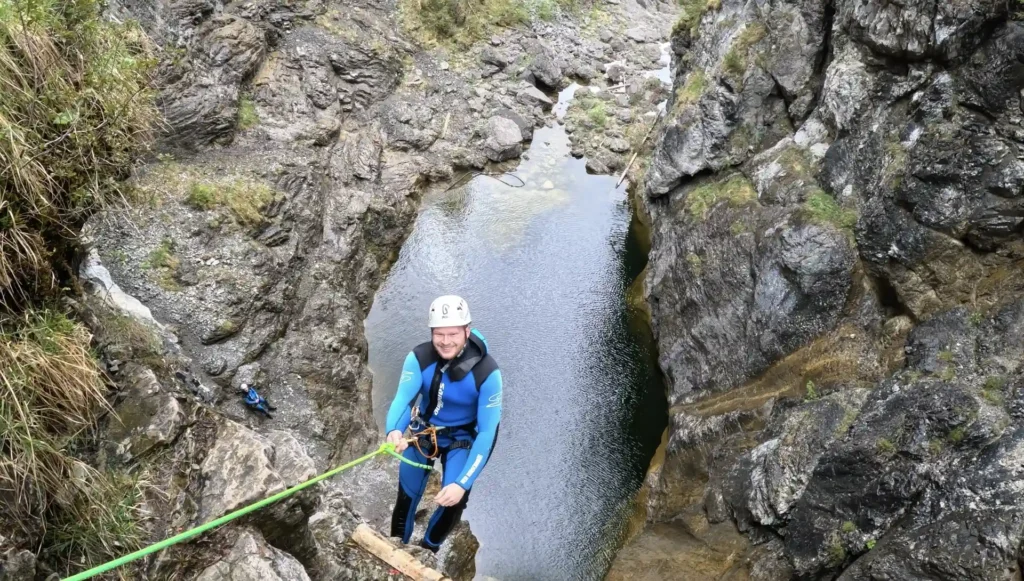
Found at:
<point>385,448</point>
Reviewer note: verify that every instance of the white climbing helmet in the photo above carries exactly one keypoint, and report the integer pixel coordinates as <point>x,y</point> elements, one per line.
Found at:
<point>449,311</point>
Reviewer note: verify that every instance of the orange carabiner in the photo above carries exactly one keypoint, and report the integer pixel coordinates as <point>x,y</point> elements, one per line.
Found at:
<point>431,433</point>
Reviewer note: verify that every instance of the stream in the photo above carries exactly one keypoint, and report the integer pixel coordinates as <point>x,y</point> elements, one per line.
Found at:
<point>544,268</point>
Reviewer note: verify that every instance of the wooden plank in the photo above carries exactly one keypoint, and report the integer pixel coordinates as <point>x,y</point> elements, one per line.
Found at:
<point>378,546</point>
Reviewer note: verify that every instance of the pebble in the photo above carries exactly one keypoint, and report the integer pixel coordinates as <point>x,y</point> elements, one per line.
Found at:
<point>444,66</point>
<point>548,185</point>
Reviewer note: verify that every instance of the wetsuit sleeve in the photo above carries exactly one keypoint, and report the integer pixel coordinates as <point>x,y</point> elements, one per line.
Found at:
<point>400,412</point>
<point>488,415</point>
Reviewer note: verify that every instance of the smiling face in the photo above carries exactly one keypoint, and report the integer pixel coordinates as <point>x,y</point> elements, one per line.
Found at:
<point>449,341</point>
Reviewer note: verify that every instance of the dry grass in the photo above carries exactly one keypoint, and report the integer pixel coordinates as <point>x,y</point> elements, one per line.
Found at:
<point>53,392</point>
<point>75,106</point>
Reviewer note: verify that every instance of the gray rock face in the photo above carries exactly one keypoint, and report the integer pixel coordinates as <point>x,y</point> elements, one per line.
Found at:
<point>149,416</point>
<point>504,140</point>
<point>243,467</point>
<point>337,558</point>
<point>883,193</point>
<point>458,557</point>
<point>724,312</point>
<point>18,566</point>
<point>618,145</point>
<point>200,101</point>
<point>251,559</point>
<point>768,480</point>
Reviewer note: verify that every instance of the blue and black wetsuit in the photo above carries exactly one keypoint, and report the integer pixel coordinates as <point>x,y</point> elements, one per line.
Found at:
<point>464,395</point>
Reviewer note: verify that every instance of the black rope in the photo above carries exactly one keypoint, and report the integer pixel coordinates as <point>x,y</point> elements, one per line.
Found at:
<point>494,176</point>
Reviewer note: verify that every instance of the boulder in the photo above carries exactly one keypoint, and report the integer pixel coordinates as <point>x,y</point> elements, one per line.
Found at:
<point>252,559</point>
<point>503,139</point>
<point>533,97</point>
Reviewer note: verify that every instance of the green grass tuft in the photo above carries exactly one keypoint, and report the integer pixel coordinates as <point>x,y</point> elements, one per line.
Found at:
<point>245,199</point>
<point>695,263</point>
<point>822,208</point>
<point>247,115</point>
<point>734,63</point>
<point>885,447</point>
<point>690,17</point>
<point>737,191</point>
<point>691,91</point>
<point>598,114</point>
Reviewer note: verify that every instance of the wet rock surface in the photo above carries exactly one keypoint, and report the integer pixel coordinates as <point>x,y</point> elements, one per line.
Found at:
<point>834,285</point>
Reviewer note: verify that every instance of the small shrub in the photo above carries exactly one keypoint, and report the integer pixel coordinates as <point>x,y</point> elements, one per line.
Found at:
<point>948,374</point>
<point>945,356</point>
<point>849,416</point>
<point>462,22</point>
<point>52,391</point>
<point>201,196</point>
<point>546,10</point>
<point>165,263</point>
<point>735,61</point>
<point>163,256</point>
<point>101,525</point>
<point>76,107</point>
<point>992,390</point>
<point>849,527</point>
<point>597,114</point>
<point>870,544</point>
<point>836,552</point>
<point>812,392</point>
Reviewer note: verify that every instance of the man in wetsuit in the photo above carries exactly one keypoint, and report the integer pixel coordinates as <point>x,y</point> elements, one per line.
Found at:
<point>459,388</point>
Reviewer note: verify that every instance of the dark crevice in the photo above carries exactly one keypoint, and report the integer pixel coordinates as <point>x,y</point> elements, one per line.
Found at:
<point>826,56</point>
<point>888,298</point>
<point>978,110</point>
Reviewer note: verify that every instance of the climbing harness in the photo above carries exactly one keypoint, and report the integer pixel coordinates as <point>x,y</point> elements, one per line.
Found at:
<point>425,436</point>
<point>494,176</point>
<point>385,448</point>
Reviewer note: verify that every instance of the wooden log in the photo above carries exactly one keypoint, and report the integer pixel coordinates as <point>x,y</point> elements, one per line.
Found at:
<point>378,546</point>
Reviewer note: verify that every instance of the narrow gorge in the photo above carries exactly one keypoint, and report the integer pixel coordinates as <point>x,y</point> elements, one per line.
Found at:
<point>752,270</point>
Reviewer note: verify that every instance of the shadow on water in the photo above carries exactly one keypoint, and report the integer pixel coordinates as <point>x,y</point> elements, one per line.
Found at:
<point>545,269</point>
